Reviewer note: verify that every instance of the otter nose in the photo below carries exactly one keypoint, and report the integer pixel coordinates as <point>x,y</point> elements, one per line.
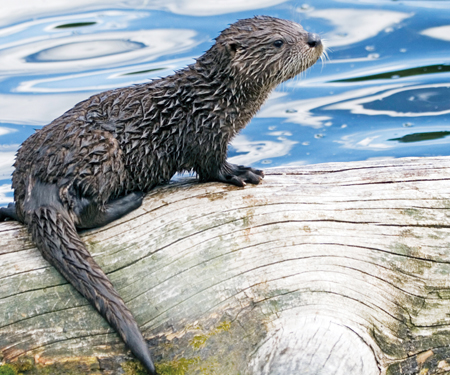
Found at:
<point>313,40</point>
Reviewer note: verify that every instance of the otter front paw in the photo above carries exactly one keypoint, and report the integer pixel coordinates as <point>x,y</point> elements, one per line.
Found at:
<point>238,175</point>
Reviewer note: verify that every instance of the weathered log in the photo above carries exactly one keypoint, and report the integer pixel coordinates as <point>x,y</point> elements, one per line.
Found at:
<point>323,269</point>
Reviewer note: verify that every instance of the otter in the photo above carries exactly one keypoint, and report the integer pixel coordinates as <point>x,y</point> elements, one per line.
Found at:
<point>94,164</point>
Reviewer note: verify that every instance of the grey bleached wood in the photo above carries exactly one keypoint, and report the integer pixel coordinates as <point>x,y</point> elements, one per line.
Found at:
<point>336,268</point>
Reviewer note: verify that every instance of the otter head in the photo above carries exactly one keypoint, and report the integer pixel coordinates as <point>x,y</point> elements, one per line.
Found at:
<point>267,51</point>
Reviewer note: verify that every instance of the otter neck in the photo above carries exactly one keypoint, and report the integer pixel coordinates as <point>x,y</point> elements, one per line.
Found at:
<point>241,95</point>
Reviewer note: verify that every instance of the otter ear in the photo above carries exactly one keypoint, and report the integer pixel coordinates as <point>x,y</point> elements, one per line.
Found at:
<point>232,47</point>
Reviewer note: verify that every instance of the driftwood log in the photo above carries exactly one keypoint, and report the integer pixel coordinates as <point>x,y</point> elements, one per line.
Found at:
<point>323,269</point>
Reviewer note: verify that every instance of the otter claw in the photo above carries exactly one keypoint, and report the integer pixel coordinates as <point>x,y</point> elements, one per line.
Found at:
<point>238,175</point>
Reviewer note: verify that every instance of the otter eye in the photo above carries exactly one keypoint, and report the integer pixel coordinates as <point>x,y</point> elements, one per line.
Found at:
<point>278,43</point>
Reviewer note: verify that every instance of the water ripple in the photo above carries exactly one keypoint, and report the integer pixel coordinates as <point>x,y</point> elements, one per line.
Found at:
<point>101,50</point>
<point>410,101</point>
<point>355,25</point>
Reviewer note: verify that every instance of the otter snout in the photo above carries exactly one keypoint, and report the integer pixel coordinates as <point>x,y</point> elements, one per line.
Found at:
<point>313,40</point>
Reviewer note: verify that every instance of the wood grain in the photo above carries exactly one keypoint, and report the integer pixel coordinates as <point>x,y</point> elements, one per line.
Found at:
<point>321,269</point>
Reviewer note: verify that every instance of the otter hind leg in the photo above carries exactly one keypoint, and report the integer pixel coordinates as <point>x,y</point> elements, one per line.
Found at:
<point>239,175</point>
<point>9,213</point>
<point>92,215</point>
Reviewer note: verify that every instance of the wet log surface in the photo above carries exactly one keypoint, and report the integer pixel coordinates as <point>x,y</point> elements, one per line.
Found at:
<point>323,269</point>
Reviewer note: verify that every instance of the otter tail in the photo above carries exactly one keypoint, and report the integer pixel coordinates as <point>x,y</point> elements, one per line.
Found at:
<point>56,237</point>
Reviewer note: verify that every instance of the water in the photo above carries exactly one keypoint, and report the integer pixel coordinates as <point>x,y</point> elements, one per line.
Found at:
<point>383,93</point>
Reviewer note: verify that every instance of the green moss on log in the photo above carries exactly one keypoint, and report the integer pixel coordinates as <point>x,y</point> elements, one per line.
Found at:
<point>72,366</point>
<point>7,370</point>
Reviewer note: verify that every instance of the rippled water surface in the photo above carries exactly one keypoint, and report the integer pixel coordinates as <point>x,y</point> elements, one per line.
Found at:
<point>384,92</point>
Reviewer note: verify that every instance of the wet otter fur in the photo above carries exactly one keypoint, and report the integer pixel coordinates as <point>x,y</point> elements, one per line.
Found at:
<point>93,164</point>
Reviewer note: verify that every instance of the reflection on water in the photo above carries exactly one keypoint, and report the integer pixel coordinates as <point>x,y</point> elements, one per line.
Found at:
<point>101,50</point>
<point>383,93</point>
<point>414,101</point>
<point>75,24</point>
<point>352,26</point>
<point>84,50</point>
<point>18,11</point>
<point>410,101</point>
<point>419,137</point>
<point>262,151</point>
<point>143,72</point>
<point>431,69</point>
<point>441,32</point>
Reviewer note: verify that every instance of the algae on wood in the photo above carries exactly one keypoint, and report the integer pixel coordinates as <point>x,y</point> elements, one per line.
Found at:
<point>323,269</point>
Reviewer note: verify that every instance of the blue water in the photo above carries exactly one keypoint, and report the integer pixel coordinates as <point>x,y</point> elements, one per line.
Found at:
<point>383,93</point>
